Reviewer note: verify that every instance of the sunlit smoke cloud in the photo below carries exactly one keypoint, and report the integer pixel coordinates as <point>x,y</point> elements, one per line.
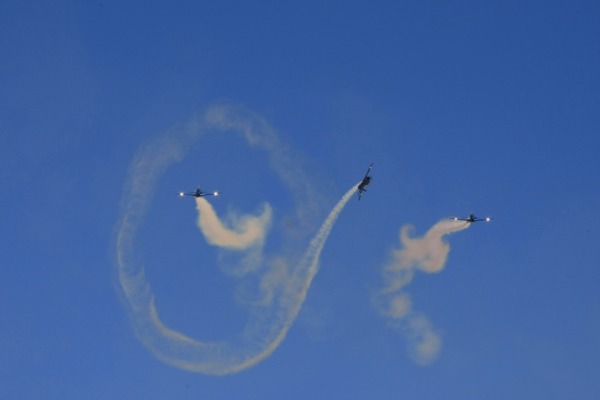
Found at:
<point>245,231</point>
<point>424,341</point>
<point>428,254</point>
<point>283,280</point>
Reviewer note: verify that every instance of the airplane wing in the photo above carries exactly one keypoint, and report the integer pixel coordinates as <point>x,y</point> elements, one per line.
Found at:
<point>187,194</point>
<point>368,170</point>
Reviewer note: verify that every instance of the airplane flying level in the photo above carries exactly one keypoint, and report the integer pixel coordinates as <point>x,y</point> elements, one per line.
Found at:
<point>199,193</point>
<point>472,218</point>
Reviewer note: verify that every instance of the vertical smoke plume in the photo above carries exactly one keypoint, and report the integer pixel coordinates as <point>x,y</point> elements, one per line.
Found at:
<point>283,279</point>
<point>428,254</point>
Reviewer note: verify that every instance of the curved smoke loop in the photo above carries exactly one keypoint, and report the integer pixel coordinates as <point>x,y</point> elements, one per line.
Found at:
<point>284,284</point>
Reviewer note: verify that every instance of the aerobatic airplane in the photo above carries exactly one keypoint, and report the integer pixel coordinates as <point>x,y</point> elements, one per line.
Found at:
<point>199,193</point>
<point>366,180</point>
<point>472,218</point>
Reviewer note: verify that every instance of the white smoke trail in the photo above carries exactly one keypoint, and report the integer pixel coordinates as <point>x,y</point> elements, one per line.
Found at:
<point>310,262</point>
<point>285,283</point>
<point>428,254</point>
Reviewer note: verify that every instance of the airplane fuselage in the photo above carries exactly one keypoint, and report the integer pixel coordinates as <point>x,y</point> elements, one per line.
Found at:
<point>364,183</point>
<point>472,218</point>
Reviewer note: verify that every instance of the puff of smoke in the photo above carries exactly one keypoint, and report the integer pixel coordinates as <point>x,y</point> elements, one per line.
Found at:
<point>247,230</point>
<point>428,254</point>
<point>241,240</point>
<point>424,340</point>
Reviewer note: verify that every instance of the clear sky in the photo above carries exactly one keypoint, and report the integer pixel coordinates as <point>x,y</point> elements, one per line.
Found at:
<point>109,108</point>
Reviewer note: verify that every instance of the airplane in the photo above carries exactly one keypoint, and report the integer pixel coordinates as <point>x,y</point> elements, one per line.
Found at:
<point>366,180</point>
<point>472,218</point>
<point>199,193</point>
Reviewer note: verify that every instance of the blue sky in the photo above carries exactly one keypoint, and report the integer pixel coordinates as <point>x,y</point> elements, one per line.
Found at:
<point>484,107</point>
